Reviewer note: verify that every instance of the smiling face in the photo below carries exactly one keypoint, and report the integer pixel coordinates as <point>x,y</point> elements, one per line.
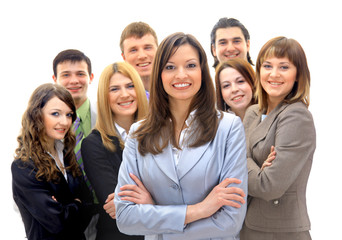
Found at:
<point>122,97</point>
<point>57,118</point>
<point>277,77</point>
<point>182,74</point>
<point>75,78</point>
<point>236,91</point>
<point>140,52</point>
<point>230,43</point>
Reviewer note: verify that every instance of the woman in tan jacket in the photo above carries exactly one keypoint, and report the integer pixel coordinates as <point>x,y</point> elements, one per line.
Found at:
<point>281,122</point>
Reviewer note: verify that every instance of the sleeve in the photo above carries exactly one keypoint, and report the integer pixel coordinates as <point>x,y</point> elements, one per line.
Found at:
<point>99,166</point>
<point>35,198</point>
<point>227,221</point>
<point>295,143</point>
<point>143,219</point>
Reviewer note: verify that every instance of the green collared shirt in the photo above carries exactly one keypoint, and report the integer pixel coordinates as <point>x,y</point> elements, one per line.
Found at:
<point>84,114</point>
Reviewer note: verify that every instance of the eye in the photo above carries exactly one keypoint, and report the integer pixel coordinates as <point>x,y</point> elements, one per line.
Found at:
<point>130,86</point>
<point>266,66</point>
<point>132,50</point>
<point>69,115</point>
<point>237,41</point>
<point>56,114</point>
<point>222,43</point>
<point>65,75</point>
<point>192,65</point>
<point>241,81</point>
<point>284,67</point>
<point>225,85</point>
<point>169,67</point>
<point>114,89</point>
<point>81,74</point>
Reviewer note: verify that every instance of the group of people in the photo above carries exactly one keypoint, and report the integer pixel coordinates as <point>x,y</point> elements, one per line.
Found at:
<point>168,153</point>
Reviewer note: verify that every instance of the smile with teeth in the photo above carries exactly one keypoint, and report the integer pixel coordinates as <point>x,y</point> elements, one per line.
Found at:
<point>143,64</point>
<point>125,103</point>
<point>237,98</point>
<point>275,83</point>
<point>232,55</point>
<point>181,85</point>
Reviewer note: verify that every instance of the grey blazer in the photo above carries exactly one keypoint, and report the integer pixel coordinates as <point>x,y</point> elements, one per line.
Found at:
<point>173,187</point>
<point>277,201</point>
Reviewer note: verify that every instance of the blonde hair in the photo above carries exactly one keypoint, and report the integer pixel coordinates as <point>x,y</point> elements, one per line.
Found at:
<point>280,47</point>
<point>105,118</point>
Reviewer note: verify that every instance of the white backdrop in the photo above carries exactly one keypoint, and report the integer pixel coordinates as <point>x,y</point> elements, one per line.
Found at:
<point>33,32</point>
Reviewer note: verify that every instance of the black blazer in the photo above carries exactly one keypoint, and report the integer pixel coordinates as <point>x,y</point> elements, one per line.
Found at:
<point>102,168</point>
<point>43,217</point>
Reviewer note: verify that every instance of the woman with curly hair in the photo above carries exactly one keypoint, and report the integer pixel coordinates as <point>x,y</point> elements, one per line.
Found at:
<point>48,186</point>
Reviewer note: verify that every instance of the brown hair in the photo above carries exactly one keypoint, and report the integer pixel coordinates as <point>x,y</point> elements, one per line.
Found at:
<point>105,121</point>
<point>156,131</point>
<point>244,68</point>
<point>32,138</point>
<point>136,29</point>
<point>280,47</point>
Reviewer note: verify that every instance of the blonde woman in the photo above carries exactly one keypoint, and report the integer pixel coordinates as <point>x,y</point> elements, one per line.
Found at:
<point>121,101</point>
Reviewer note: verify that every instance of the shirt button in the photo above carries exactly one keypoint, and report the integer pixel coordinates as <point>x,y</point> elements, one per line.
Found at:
<point>276,202</point>
<point>174,186</point>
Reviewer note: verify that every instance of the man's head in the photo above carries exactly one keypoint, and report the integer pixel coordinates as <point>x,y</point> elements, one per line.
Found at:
<point>138,45</point>
<point>72,69</point>
<point>229,39</point>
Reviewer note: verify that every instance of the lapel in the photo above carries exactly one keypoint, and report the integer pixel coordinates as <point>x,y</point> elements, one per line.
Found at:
<point>262,127</point>
<point>166,163</point>
<point>189,157</point>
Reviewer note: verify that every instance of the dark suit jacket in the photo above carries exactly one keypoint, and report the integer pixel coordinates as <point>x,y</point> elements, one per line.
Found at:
<point>43,217</point>
<point>277,194</point>
<point>102,167</point>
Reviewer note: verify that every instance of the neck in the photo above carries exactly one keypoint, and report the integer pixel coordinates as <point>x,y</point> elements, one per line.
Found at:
<point>146,82</point>
<point>179,111</point>
<point>272,104</point>
<point>125,122</point>
<point>79,102</point>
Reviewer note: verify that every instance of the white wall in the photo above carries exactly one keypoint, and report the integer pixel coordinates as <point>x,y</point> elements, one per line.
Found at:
<point>33,32</point>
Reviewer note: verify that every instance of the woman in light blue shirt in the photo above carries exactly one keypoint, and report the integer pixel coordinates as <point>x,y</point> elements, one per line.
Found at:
<point>185,153</point>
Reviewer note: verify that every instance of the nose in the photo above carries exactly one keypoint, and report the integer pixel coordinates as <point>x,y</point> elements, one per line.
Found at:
<point>274,72</point>
<point>230,46</point>
<point>181,73</point>
<point>141,54</point>
<point>64,120</point>
<point>234,88</point>
<point>74,79</point>
<point>124,92</point>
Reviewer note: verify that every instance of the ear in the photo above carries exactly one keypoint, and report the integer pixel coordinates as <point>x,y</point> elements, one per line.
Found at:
<point>123,56</point>
<point>248,45</point>
<point>213,50</point>
<point>91,77</point>
<point>54,78</point>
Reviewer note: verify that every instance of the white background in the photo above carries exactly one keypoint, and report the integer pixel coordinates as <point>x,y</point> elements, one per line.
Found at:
<point>33,32</point>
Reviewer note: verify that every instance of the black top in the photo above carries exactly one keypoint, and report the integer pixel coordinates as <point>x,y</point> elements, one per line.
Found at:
<point>43,217</point>
<point>102,168</point>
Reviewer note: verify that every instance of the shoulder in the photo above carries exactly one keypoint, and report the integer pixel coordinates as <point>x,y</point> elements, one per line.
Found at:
<point>22,169</point>
<point>296,108</point>
<point>93,137</point>
<point>228,122</point>
<point>252,112</point>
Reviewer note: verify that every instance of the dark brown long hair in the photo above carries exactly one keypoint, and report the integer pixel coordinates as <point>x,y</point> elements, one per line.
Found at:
<point>156,131</point>
<point>32,138</point>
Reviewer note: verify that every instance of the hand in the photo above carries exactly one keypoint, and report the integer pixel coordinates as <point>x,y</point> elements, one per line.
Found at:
<point>53,198</point>
<point>221,195</point>
<point>270,158</point>
<point>109,206</point>
<point>135,193</point>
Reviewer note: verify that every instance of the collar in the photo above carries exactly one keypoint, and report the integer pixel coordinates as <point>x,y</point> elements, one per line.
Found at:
<point>83,110</point>
<point>122,132</point>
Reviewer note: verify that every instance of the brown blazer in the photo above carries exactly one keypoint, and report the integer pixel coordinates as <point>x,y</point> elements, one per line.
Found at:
<point>277,201</point>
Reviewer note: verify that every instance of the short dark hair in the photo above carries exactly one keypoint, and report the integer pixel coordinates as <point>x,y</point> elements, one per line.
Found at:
<point>72,55</point>
<point>228,23</point>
